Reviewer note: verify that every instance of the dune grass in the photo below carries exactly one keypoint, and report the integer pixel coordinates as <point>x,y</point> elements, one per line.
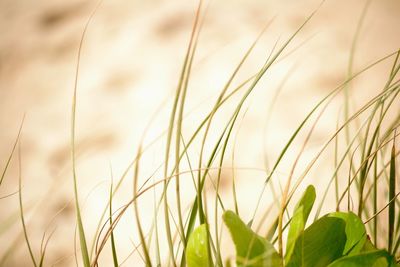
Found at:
<point>370,159</point>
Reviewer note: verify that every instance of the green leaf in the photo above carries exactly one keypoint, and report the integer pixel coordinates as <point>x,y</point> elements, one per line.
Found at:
<point>320,244</point>
<point>381,262</point>
<point>251,249</point>
<point>196,250</point>
<point>370,258</point>
<point>355,232</point>
<point>368,246</point>
<point>299,219</point>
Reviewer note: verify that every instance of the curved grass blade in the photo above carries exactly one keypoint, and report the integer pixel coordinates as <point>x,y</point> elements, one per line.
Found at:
<point>82,237</point>
<point>44,248</point>
<point>364,171</point>
<point>365,107</point>
<point>22,209</point>
<point>325,100</point>
<point>213,112</point>
<point>182,86</point>
<point>113,249</point>
<point>181,96</point>
<point>137,216</point>
<point>269,62</point>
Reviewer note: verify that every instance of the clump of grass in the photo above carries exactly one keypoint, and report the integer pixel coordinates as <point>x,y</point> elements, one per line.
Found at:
<point>370,166</point>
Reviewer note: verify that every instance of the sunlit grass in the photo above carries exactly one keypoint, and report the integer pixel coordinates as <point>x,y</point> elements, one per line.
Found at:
<point>370,155</point>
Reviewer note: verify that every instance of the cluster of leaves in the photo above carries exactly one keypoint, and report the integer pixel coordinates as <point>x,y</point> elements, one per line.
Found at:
<point>338,239</point>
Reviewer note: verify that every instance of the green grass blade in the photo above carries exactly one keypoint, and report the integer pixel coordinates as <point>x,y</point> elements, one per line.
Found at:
<point>375,202</point>
<point>124,175</point>
<point>21,208</point>
<point>182,93</point>
<point>360,111</point>
<point>365,169</point>
<point>44,248</point>
<point>396,246</point>
<point>332,93</point>
<point>212,113</point>
<point>354,43</point>
<point>81,231</point>
<point>184,76</point>
<point>137,216</point>
<point>113,249</point>
<point>392,192</point>
<point>357,172</point>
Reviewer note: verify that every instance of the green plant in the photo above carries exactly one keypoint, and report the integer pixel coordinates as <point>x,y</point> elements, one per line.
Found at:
<point>337,239</point>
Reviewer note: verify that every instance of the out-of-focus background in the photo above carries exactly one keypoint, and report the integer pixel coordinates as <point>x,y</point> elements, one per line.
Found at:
<point>130,66</point>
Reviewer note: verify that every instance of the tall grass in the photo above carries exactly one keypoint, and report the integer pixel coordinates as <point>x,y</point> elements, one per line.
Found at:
<point>366,158</point>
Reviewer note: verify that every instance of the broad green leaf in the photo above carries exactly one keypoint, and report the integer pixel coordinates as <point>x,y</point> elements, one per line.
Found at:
<point>320,244</point>
<point>196,250</point>
<point>355,232</point>
<point>251,249</point>
<point>299,219</point>
<point>364,259</point>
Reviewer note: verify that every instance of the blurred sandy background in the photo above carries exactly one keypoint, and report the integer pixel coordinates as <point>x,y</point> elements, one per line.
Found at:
<point>130,66</point>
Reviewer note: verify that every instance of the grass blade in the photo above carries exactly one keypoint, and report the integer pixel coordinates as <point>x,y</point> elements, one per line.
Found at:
<point>113,249</point>
<point>82,238</point>
<point>392,192</point>
<point>135,205</point>
<point>182,86</point>
<point>22,209</point>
